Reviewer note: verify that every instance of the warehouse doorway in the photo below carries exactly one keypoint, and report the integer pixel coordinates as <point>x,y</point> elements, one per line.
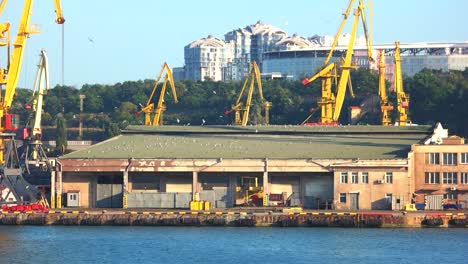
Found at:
<point>109,191</point>
<point>354,201</point>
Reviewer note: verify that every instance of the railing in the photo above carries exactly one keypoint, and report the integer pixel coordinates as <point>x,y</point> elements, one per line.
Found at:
<point>72,143</point>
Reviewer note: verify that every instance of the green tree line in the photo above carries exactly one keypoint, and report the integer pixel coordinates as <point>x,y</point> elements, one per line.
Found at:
<point>435,96</point>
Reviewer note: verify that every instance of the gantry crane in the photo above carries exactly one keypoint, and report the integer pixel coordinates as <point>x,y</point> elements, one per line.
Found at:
<point>385,106</point>
<point>149,109</point>
<point>34,153</point>
<point>402,97</point>
<point>241,109</point>
<point>331,103</point>
<point>13,186</point>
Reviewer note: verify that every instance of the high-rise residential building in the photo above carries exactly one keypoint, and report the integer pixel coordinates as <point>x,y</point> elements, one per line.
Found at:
<point>250,43</point>
<point>208,58</point>
<point>295,42</point>
<point>296,57</point>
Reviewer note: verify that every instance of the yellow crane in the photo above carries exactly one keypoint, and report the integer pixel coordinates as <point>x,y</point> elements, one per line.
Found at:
<point>9,76</point>
<point>402,97</point>
<point>241,109</point>
<point>34,153</point>
<point>149,109</point>
<point>10,173</point>
<point>385,106</point>
<point>331,103</point>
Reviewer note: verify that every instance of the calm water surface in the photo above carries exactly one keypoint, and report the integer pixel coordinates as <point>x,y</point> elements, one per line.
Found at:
<point>61,244</point>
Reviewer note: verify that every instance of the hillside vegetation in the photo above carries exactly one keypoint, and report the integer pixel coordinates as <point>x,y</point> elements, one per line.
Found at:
<point>435,96</point>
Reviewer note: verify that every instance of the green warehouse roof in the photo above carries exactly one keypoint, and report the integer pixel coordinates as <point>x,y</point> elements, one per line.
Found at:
<point>276,142</point>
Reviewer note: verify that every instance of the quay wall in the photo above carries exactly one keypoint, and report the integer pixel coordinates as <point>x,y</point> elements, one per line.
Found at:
<point>205,218</point>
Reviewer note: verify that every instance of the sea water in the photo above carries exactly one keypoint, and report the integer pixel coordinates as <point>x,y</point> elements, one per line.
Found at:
<point>107,244</point>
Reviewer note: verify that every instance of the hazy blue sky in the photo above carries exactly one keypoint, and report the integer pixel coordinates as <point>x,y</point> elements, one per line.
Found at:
<point>109,41</point>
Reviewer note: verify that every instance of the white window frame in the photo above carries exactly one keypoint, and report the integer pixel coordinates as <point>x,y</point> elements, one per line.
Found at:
<point>344,177</point>
<point>389,175</point>
<point>464,178</point>
<point>432,178</point>
<point>450,158</point>
<point>365,177</point>
<point>354,178</point>
<point>449,178</point>
<point>464,158</point>
<point>432,158</point>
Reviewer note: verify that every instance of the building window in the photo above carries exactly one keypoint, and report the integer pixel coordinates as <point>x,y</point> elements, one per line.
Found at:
<point>365,177</point>
<point>464,158</point>
<point>432,158</point>
<point>464,178</point>
<point>450,158</point>
<point>344,177</point>
<point>450,196</point>
<point>389,177</point>
<point>354,177</point>
<point>342,197</point>
<point>432,178</point>
<point>450,178</point>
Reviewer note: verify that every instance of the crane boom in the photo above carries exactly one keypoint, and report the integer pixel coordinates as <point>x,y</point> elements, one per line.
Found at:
<point>385,107</point>
<point>402,97</point>
<point>331,103</point>
<point>2,6</point>
<point>34,154</point>
<point>340,29</point>
<point>24,31</point>
<point>344,78</point>
<point>41,85</point>
<point>148,109</point>
<point>17,57</point>
<point>58,11</point>
<point>241,108</point>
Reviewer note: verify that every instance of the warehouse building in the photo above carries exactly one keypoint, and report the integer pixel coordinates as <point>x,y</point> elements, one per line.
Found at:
<point>352,167</point>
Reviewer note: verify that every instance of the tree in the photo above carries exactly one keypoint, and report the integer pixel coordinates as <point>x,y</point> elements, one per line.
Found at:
<point>435,96</point>
<point>61,141</point>
<point>112,130</point>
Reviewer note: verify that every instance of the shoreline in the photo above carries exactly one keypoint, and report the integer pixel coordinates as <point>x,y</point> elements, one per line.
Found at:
<point>238,218</point>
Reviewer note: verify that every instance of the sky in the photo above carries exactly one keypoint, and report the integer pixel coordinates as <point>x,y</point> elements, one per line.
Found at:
<point>110,41</point>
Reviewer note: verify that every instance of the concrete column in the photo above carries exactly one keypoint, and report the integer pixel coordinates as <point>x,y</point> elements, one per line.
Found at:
<point>195,186</point>
<point>59,189</point>
<point>232,190</point>
<point>52,189</point>
<point>302,189</point>
<point>266,191</point>
<point>125,190</point>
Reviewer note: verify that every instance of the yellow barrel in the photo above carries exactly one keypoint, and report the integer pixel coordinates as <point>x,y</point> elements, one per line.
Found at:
<point>194,205</point>
<point>207,205</point>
